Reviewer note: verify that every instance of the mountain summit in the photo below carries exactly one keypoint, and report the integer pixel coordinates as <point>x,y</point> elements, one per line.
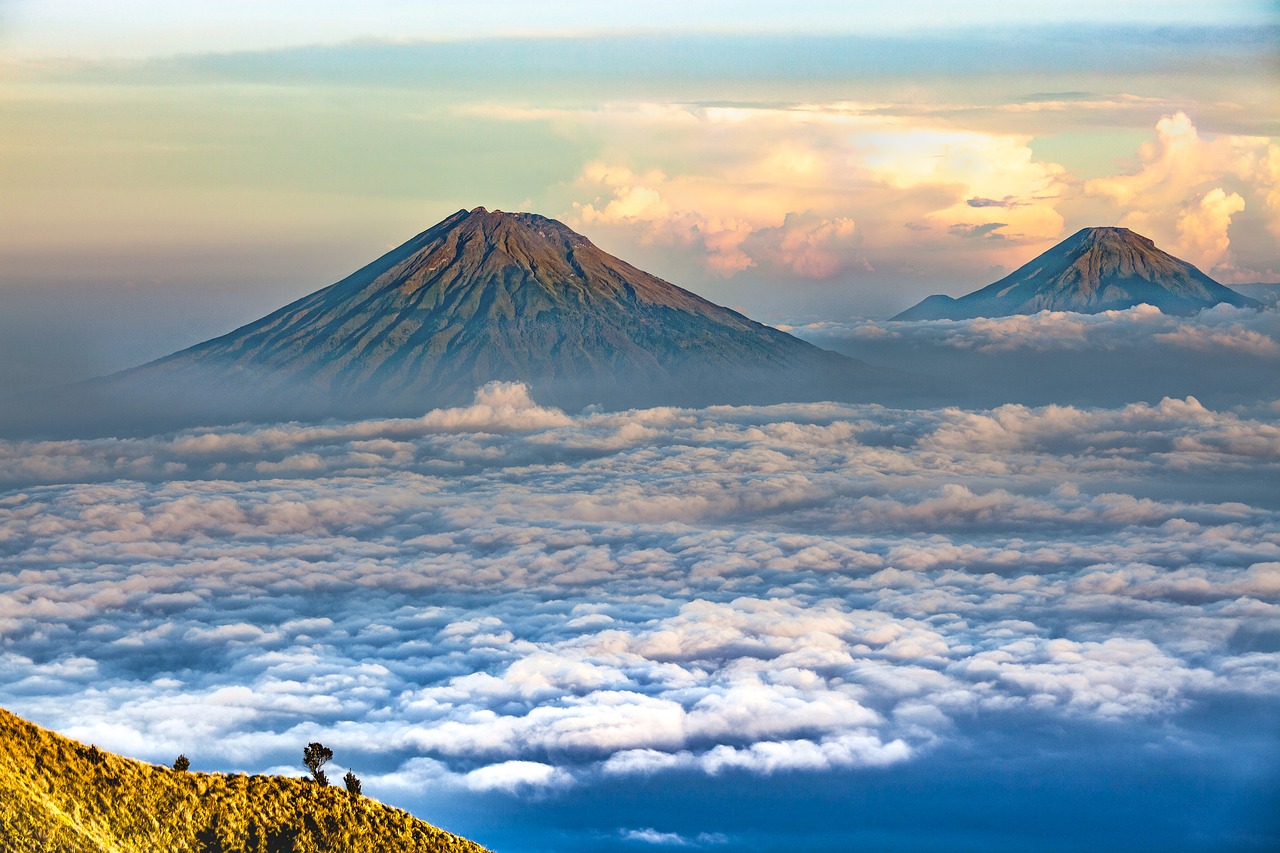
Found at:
<point>482,296</point>
<point>1096,269</point>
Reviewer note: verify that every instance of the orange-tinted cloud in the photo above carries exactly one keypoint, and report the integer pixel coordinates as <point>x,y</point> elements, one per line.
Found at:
<point>1186,190</point>
<point>733,233</point>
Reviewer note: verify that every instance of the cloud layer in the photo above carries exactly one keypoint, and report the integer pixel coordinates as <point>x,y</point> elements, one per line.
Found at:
<point>506,599</point>
<point>1221,329</point>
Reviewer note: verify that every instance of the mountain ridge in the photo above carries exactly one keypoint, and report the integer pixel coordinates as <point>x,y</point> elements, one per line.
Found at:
<point>58,794</point>
<point>1094,270</point>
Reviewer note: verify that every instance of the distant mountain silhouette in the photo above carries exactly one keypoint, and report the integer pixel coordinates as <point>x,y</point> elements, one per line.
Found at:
<point>1265,292</point>
<point>1096,269</point>
<point>482,296</point>
<point>60,795</point>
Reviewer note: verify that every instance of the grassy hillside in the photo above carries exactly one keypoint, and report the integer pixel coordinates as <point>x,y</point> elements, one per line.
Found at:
<point>60,795</point>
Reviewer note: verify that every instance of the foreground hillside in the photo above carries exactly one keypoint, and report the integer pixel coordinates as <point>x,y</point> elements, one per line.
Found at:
<point>59,795</point>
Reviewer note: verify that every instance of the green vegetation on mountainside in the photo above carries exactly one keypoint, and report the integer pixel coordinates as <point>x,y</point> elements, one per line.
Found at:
<point>59,795</point>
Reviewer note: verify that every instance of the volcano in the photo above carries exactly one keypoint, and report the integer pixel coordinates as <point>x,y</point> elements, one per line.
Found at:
<point>484,296</point>
<point>1094,270</point>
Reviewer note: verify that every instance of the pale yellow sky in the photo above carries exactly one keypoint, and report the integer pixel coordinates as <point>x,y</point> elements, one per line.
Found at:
<point>795,177</point>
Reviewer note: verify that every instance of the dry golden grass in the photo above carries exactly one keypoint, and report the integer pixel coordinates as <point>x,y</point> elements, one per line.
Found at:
<point>58,795</point>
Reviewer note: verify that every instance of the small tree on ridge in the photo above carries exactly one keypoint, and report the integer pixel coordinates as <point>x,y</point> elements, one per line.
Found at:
<point>314,755</point>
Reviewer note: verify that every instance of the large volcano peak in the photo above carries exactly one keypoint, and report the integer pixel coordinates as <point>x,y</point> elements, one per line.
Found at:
<point>512,262</point>
<point>490,295</point>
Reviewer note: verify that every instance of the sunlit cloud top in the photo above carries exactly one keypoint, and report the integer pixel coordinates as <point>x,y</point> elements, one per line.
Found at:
<point>141,28</point>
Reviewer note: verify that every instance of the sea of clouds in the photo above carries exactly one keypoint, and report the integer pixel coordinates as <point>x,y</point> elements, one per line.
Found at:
<point>506,598</point>
<point>1225,357</point>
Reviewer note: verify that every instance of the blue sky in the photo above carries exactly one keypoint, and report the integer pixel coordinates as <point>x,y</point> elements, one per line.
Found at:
<point>139,28</point>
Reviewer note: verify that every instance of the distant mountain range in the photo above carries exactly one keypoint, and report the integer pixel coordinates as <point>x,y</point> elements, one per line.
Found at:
<point>1094,270</point>
<point>60,795</point>
<point>1265,292</point>
<point>481,296</point>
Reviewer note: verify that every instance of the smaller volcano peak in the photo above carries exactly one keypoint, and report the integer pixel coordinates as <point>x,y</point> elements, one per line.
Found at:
<point>495,216</point>
<point>1107,245</point>
<point>483,212</point>
<point>1095,269</point>
<point>1099,232</point>
<point>1109,236</point>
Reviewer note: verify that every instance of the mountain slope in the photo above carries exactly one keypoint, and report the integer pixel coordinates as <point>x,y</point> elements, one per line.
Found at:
<point>57,794</point>
<point>1094,270</point>
<point>486,295</point>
